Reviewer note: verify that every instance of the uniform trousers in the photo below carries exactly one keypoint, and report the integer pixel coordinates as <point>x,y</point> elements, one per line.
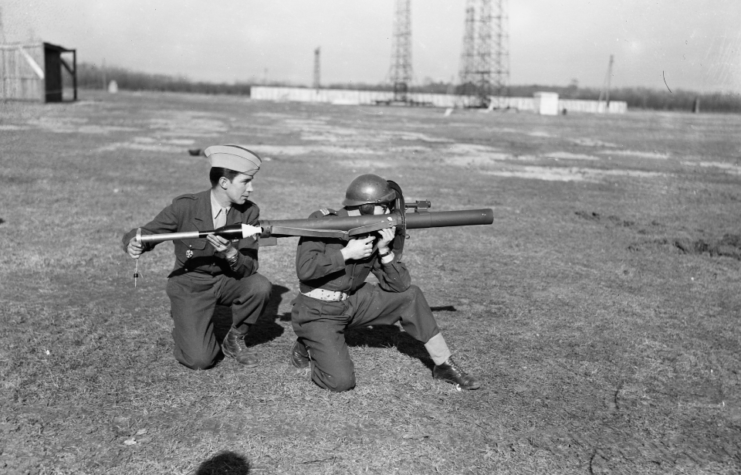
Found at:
<point>321,326</point>
<point>193,299</point>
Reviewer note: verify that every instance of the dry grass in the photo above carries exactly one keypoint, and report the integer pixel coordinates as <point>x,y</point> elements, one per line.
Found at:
<point>606,335</point>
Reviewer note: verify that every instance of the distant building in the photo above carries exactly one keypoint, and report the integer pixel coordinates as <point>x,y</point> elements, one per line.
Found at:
<point>545,103</point>
<point>33,72</point>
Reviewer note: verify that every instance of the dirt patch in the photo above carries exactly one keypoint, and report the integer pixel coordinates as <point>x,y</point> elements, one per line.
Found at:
<point>540,134</point>
<point>475,160</point>
<point>636,153</point>
<point>571,174</point>
<point>728,246</point>
<point>726,167</point>
<point>569,156</point>
<point>414,149</point>
<point>299,150</point>
<point>150,144</point>
<point>588,142</point>
<point>592,216</point>
<point>365,164</point>
<point>73,125</point>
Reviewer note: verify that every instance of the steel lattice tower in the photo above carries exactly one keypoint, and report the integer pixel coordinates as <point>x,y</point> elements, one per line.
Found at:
<point>485,56</point>
<point>317,70</point>
<point>482,68</point>
<point>468,55</point>
<point>500,71</point>
<point>401,51</point>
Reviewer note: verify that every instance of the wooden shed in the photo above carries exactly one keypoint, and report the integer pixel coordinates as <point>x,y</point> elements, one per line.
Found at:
<point>33,72</point>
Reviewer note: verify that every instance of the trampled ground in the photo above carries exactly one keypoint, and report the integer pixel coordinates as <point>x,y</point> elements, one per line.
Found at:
<point>600,309</point>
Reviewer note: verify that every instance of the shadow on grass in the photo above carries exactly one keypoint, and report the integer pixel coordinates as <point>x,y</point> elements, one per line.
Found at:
<point>263,331</point>
<point>225,463</point>
<point>385,336</point>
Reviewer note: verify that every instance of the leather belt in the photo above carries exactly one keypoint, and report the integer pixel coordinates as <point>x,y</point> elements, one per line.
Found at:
<point>326,295</point>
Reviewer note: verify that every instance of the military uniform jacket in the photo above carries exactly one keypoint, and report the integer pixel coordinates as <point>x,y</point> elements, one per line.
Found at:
<point>192,212</point>
<point>319,264</point>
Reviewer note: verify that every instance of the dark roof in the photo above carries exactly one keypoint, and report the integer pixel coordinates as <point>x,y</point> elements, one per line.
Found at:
<point>57,47</point>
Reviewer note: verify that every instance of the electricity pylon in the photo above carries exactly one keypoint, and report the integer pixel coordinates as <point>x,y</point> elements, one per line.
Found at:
<point>401,51</point>
<point>485,56</point>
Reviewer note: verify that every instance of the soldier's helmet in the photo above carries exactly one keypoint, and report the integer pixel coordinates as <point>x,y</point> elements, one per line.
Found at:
<point>368,189</point>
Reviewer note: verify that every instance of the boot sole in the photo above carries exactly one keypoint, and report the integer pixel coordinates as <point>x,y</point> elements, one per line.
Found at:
<point>233,356</point>
<point>468,388</point>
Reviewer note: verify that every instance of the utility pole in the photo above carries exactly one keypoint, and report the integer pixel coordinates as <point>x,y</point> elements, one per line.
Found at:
<point>605,92</point>
<point>401,51</point>
<point>317,53</point>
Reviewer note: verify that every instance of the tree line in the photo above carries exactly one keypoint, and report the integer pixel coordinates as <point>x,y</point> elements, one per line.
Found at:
<point>91,76</point>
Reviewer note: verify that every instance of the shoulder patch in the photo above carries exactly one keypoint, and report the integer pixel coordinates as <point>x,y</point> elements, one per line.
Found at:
<point>327,211</point>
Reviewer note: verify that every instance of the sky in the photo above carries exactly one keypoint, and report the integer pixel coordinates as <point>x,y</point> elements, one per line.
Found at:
<point>676,44</point>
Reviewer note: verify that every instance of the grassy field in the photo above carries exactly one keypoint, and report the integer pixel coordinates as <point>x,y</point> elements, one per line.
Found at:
<point>600,310</point>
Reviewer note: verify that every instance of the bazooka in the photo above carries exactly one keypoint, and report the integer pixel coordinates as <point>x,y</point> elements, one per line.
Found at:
<point>403,216</point>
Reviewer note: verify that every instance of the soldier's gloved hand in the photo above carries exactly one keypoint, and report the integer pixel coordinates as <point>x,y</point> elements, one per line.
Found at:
<point>358,248</point>
<point>387,235</point>
<point>135,248</point>
<point>223,246</point>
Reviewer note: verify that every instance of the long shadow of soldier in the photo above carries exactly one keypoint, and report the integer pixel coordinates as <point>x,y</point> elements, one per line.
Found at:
<point>384,336</point>
<point>225,463</point>
<point>263,331</point>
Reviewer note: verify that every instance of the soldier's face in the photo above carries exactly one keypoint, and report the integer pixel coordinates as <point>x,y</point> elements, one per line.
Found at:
<point>238,190</point>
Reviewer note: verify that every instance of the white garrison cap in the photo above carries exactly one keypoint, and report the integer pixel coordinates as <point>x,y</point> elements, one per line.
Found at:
<point>234,157</point>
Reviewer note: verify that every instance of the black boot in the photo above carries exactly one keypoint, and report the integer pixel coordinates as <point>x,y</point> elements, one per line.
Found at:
<point>299,355</point>
<point>452,373</point>
<point>235,347</point>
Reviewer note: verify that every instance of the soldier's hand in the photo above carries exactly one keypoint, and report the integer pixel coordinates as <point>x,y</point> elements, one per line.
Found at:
<point>387,235</point>
<point>221,245</point>
<point>135,248</point>
<point>358,248</point>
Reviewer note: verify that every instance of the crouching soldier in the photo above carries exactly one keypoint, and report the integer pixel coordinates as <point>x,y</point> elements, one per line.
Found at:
<point>212,270</point>
<point>334,296</point>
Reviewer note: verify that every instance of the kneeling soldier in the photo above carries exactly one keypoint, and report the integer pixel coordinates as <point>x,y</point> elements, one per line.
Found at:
<point>212,270</point>
<point>334,296</point>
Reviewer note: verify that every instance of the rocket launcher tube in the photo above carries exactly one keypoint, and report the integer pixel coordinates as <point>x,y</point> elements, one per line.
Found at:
<point>341,227</point>
<point>353,225</point>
